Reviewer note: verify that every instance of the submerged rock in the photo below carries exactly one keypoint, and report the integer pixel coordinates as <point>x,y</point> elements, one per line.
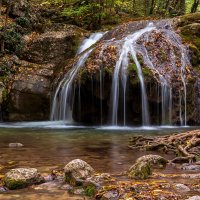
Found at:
<point>48,186</point>
<point>15,145</point>
<point>76,171</point>
<point>142,169</point>
<point>21,178</point>
<point>182,187</point>
<point>110,195</point>
<point>190,167</point>
<point>194,198</point>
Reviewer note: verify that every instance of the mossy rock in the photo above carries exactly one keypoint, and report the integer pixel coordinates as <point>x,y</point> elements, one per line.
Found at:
<point>188,19</point>
<point>21,178</point>
<point>90,190</point>
<point>140,171</point>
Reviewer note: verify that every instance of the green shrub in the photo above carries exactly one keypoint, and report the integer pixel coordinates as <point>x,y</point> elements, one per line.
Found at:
<point>12,38</point>
<point>5,70</point>
<point>23,22</point>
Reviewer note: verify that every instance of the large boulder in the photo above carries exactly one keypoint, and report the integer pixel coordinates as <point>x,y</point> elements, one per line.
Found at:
<point>21,178</point>
<point>29,95</point>
<point>77,171</point>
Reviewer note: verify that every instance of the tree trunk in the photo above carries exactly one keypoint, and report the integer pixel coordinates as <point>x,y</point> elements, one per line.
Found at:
<point>153,2</point>
<point>195,6</point>
<point>8,6</point>
<point>0,9</point>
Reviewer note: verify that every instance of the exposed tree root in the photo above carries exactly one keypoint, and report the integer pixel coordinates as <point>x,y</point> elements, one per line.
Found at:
<point>186,146</point>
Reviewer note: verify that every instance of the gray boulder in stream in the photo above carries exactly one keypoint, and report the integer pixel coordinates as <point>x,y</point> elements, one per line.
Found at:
<point>21,178</point>
<point>77,171</point>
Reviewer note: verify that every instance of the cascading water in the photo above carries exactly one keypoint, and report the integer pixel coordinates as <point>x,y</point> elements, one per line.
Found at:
<point>63,99</point>
<point>87,43</point>
<point>131,48</point>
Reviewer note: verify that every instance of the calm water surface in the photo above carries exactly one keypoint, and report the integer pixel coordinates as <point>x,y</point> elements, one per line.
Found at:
<point>47,146</point>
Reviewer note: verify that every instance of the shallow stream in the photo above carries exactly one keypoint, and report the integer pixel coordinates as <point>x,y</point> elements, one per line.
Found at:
<point>50,145</point>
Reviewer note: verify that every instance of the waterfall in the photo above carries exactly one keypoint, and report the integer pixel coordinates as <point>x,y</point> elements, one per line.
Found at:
<point>176,40</point>
<point>87,43</point>
<point>131,48</point>
<point>62,105</point>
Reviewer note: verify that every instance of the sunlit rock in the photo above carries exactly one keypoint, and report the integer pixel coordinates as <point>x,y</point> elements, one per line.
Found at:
<point>21,178</point>
<point>76,171</point>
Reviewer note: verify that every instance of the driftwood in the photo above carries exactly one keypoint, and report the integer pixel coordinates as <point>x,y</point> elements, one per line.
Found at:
<point>186,146</point>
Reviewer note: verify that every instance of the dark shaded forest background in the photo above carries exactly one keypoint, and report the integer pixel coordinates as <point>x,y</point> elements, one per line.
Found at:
<point>92,14</point>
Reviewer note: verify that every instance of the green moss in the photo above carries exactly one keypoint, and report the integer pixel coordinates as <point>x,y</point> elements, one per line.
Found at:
<point>140,171</point>
<point>197,42</point>
<point>71,180</point>
<point>162,55</point>
<point>15,184</point>
<point>90,190</point>
<point>83,75</point>
<point>107,70</point>
<point>5,94</point>
<point>146,71</point>
<point>132,68</point>
<point>197,158</point>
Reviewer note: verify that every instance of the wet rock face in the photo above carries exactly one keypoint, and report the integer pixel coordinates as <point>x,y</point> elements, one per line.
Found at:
<point>29,95</point>
<point>189,28</point>
<point>2,87</point>
<point>29,89</point>
<point>159,53</point>
<point>197,100</point>
<point>52,46</point>
<point>21,178</point>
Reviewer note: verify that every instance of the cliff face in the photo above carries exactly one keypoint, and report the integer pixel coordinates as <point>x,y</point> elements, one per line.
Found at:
<point>41,50</point>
